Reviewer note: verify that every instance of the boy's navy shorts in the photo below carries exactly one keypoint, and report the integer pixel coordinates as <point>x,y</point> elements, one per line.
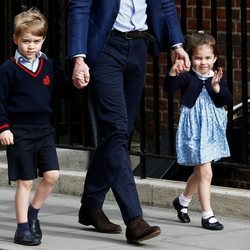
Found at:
<point>32,153</point>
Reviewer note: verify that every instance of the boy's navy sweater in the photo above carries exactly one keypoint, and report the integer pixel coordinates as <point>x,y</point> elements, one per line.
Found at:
<point>25,96</point>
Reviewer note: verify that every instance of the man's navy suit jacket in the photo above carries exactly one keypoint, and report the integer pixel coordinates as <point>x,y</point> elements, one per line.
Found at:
<point>90,22</point>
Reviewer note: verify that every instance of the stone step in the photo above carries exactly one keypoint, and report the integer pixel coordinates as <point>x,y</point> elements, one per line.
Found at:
<point>229,202</point>
<point>70,159</point>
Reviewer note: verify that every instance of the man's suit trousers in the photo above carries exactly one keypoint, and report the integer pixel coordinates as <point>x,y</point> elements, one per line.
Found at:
<point>117,82</point>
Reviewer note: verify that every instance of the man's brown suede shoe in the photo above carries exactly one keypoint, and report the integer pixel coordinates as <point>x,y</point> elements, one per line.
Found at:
<point>97,218</point>
<point>139,230</point>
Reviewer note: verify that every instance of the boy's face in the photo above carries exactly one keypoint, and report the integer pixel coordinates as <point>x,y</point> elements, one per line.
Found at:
<point>28,44</point>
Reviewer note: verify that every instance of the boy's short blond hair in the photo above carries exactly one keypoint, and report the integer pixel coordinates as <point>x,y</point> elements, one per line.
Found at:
<point>32,21</point>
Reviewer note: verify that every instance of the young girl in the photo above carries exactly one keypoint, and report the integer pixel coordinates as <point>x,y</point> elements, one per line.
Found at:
<point>201,133</point>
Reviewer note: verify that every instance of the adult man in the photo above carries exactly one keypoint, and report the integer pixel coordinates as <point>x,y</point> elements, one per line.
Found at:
<point>110,37</point>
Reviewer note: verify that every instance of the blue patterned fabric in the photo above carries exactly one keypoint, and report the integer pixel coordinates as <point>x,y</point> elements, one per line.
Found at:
<point>201,133</point>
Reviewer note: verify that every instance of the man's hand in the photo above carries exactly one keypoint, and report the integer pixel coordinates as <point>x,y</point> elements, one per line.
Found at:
<point>177,68</point>
<point>6,138</point>
<point>80,74</point>
<point>178,54</point>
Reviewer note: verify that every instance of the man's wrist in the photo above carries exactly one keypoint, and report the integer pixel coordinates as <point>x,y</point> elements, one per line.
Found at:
<point>78,59</point>
<point>177,46</point>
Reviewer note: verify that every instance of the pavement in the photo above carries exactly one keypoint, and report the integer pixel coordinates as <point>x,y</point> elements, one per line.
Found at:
<point>61,231</point>
<point>59,215</point>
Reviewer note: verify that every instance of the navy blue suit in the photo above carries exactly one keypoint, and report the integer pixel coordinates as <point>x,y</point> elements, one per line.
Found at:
<point>90,27</point>
<point>117,70</point>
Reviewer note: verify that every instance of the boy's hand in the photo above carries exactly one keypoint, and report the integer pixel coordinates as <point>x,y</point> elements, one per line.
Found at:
<point>6,138</point>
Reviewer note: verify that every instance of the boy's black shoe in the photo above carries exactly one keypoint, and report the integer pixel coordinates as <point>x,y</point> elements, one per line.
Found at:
<point>97,218</point>
<point>26,238</point>
<point>183,217</point>
<point>211,226</point>
<point>139,230</point>
<point>35,228</point>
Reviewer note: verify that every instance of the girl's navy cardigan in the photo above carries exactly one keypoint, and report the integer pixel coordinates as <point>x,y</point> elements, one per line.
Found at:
<point>191,86</point>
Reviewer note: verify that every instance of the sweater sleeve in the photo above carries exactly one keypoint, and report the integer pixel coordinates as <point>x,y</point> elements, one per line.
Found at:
<point>174,83</point>
<point>224,97</point>
<point>4,93</point>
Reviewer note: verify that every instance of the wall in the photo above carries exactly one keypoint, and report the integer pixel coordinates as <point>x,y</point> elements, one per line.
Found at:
<point>192,24</point>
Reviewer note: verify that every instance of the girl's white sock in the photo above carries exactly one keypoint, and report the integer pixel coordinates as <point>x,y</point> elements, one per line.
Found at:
<point>208,214</point>
<point>184,201</point>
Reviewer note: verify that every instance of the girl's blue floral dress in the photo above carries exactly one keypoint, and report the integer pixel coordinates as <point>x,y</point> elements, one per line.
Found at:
<point>201,133</point>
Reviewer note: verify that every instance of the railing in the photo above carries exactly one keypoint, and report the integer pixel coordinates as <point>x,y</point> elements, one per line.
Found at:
<point>74,120</point>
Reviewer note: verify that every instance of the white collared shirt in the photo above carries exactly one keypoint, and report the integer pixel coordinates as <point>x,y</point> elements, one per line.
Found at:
<point>29,64</point>
<point>132,16</point>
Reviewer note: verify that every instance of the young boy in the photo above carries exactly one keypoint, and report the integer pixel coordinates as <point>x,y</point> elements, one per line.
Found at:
<point>26,83</point>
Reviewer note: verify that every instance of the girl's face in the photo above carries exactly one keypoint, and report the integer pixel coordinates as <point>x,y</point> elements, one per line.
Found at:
<point>28,44</point>
<point>203,59</point>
